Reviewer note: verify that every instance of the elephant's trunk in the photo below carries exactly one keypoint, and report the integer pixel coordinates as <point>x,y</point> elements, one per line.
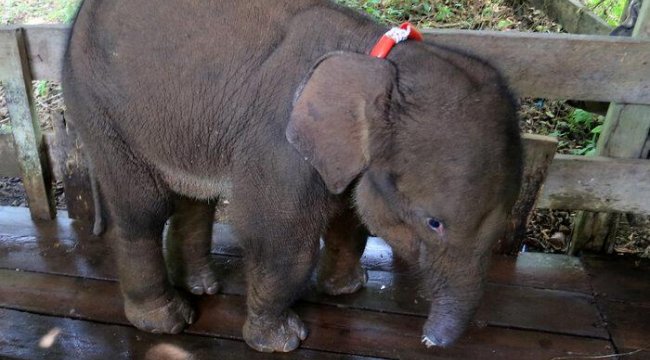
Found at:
<point>452,309</point>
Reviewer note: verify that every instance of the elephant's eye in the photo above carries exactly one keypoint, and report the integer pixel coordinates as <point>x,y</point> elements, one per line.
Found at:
<point>436,225</point>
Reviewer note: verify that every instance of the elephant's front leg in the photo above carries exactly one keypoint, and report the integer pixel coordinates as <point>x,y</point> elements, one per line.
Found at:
<point>279,261</point>
<point>274,282</point>
<point>189,240</point>
<point>339,269</point>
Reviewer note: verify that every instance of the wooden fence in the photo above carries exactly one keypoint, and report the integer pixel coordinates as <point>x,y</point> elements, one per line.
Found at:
<point>551,66</point>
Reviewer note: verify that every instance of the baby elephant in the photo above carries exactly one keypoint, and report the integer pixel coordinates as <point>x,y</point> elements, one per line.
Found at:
<point>279,105</point>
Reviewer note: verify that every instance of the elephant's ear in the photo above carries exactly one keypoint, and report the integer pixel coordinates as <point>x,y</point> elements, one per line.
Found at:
<point>333,114</point>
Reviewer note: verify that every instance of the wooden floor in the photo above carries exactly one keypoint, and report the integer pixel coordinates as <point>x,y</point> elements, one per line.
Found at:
<point>59,299</point>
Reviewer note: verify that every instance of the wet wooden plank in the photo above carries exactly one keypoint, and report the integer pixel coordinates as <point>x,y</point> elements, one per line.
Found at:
<point>331,328</point>
<point>548,271</point>
<point>541,309</point>
<point>620,278</point>
<point>385,291</point>
<point>15,222</point>
<point>628,323</point>
<point>634,354</point>
<point>41,337</point>
<point>506,306</point>
<point>509,306</point>
<point>377,256</point>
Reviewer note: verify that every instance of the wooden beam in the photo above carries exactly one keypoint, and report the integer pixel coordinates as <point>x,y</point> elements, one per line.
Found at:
<point>16,78</point>
<point>552,66</point>
<point>573,182</point>
<point>55,153</point>
<point>598,184</point>
<point>46,46</point>
<point>538,153</point>
<point>9,164</point>
<point>74,170</point>
<point>642,28</point>
<point>573,16</point>
<point>625,133</point>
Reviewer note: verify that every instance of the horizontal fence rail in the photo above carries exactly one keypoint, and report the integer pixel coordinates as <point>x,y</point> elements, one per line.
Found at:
<point>561,66</point>
<point>597,184</point>
<point>557,66</point>
<point>573,182</point>
<point>553,66</point>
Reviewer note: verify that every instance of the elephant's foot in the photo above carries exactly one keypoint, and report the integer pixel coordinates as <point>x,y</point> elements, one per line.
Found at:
<point>197,279</point>
<point>336,282</point>
<point>168,315</point>
<point>269,334</point>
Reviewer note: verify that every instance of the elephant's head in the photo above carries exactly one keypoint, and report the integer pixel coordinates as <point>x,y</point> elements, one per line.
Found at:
<point>432,137</point>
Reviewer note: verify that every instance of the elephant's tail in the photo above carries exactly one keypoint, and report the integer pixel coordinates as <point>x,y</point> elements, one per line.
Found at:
<point>100,221</point>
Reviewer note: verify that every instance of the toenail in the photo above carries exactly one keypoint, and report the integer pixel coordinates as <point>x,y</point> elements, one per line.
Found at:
<point>197,290</point>
<point>291,344</point>
<point>178,328</point>
<point>213,289</point>
<point>303,333</point>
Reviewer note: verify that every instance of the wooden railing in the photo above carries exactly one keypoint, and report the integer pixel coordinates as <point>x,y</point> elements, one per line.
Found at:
<point>552,66</point>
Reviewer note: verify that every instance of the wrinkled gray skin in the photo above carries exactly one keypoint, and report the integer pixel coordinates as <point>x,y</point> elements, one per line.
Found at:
<point>277,105</point>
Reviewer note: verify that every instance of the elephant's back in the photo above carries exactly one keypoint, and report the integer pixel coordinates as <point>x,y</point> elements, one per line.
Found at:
<point>174,78</point>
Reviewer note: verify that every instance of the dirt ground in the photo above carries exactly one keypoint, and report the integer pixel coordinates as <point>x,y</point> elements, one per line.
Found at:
<point>12,193</point>
<point>550,230</point>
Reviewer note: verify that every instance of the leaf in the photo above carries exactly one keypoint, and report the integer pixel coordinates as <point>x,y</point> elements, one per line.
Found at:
<point>502,24</point>
<point>597,130</point>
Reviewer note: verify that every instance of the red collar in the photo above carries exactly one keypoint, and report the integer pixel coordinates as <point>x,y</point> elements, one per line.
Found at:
<point>394,36</point>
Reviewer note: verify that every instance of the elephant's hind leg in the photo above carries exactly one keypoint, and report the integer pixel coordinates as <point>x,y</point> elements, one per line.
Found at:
<point>139,205</point>
<point>188,246</point>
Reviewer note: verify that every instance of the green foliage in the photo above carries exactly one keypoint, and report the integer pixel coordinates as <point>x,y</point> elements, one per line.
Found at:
<point>609,10</point>
<point>11,9</point>
<point>443,12</point>
<point>504,24</point>
<point>42,88</point>
<point>38,12</point>
<point>458,14</point>
<point>581,124</point>
<point>65,11</point>
<point>391,11</point>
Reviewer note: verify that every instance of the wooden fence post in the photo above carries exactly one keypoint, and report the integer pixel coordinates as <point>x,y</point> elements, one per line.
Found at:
<point>538,153</point>
<point>625,134</point>
<point>73,169</point>
<point>28,140</point>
